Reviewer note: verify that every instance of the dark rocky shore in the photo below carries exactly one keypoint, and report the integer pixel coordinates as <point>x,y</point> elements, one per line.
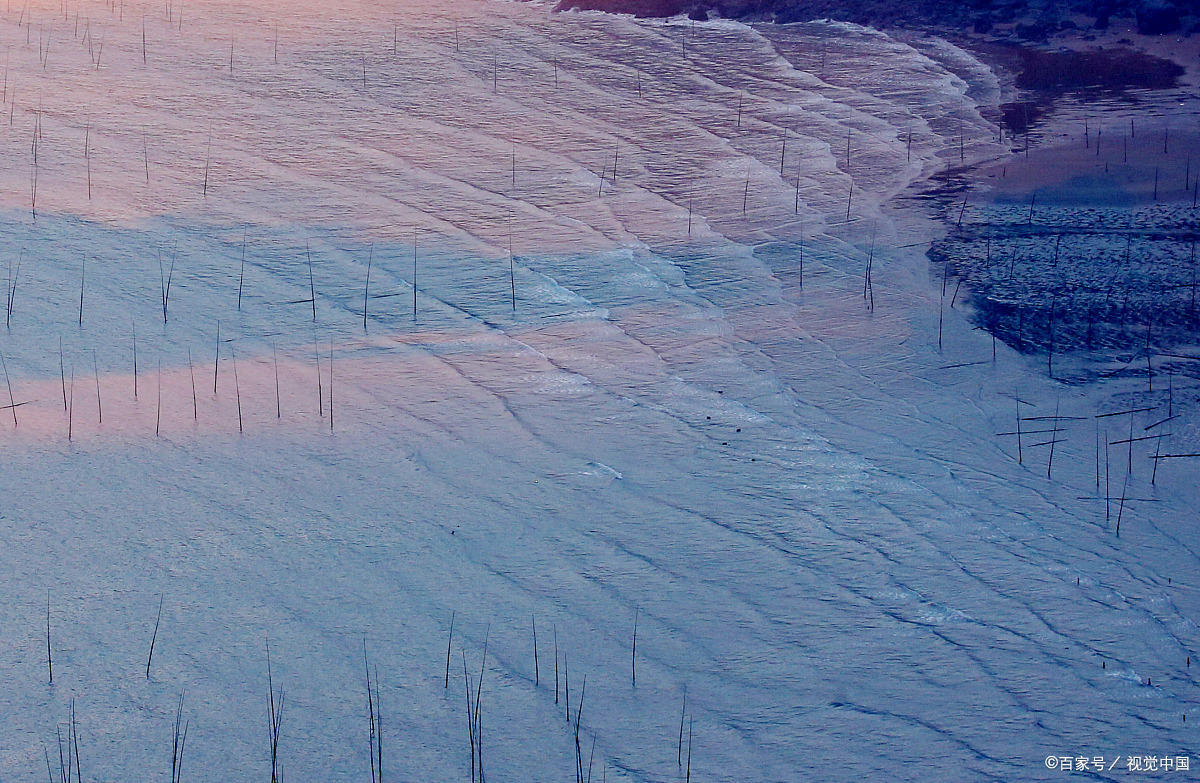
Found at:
<point>1032,20</point>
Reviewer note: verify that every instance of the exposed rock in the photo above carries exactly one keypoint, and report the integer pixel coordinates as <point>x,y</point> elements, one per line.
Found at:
<point>1033,31</point>
<point>1156,17</point>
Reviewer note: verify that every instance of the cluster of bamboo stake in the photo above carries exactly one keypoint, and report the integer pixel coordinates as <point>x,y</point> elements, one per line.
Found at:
<point>68,753</point>
<point>275,721</point>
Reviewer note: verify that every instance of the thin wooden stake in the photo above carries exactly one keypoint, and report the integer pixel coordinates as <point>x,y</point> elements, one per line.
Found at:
<point>536,671</point>
<point>154,637</point>
<point>688,777</point>
<point>633,656</point>
<point>320,382</point>
<point>62,372</point>
<point>96,371</point>
<point>1053,440</point>
<point>192,372</point>
<point>237,389</point>
<point>217,356</point>
<point>49,649</point>
<point>82,281</point>
<point>449,641</point>
<point>1020,455</point>
<point>367,285</point>
<point>207,163</point>
<point>682,717</point>
<point>312,287</point>
<point>1121,509</point>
